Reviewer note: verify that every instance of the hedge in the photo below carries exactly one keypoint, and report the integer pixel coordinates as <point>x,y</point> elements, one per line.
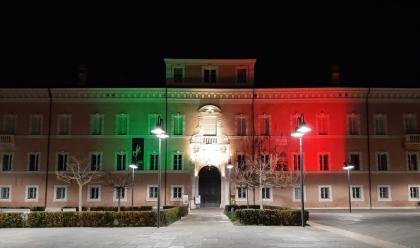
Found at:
<point>137,208</point>
<point>270,217</point>
<point>11,220</point>
<point>92,218</point>
<point>228,208</point>
<point>30,208</point>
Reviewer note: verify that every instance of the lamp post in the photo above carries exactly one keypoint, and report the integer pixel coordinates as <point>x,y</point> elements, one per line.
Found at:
<point>230,166</point>
<point>300,130</point>
<point>132,166</point>
<point>160,133</point>
<point>348,168</point>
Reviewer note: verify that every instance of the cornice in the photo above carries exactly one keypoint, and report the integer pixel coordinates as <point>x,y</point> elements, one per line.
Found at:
<point>146,94</point>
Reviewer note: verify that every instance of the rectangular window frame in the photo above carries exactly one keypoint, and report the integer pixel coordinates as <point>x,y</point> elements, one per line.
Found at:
<point>353,119</point>
<point>27,187</point>
<point>376,118</point>
<point>56,160</point>
<point>38,165</point>
<point>412,117</point>
<point>294,198</point>
<point>389,193</point>
<point>89,193</point>
<point>410,198</point>
<point>387,161</point>
<point>362,197</point>
<point>65,190</point>
<point>119,129</point>
<point>175,129</point>
<point>240,193</point>
<point>123,153</point>
<point>264,194</point>
<point>323,124</point>
<point>321,164</point>
<point>173,191</point>
<point>152,199</point>
<point>115,192</point>
<point>98,165</point>
<point>349,154</point>
<point>99,120</point>
<point>181,165</point>
<point>330,193</point>
<point>237,74</point>
<point>13,121</point>
<point>210,81</point>
<point>11,161</point>
<point>61,118</point>
<point>32,119</point>
<point>182,68</point>
<point>408,161</point>
<point>10,193</point>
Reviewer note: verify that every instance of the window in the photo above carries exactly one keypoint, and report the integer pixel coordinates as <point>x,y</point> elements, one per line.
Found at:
<point>412,161</point>
<point>413,191</point>
<point>33,161</point>
<point>265,161</point>
<point>323,161</point>
<point>31,193</point>
<point>296,161</point>
<point>282,164</point>
<point>7,161</point>
<point>178,74</point>
<point>209,75</point>
<point>356,193</point>
<point>240,159</point>
<point>354,159</point>
<point>35,125</point>
<point>384,193</point>
<point>209,125</point>
<point>64,124</point>
<point>241,125</point>
<point>122,124</point>
<point>325,193</point>
<point>410,123</point>
<point>267,193</point>
<point>264,121</point>
<point>241,193</point>
<point>379,121</point>
<point>153,118</point>
<point>95,161</point>
<point>60,193</point>
<point>94,193</point>
<point>97,124</point>
<point>353,124</point>
<point>62,161</point>
<point>297,194</point>
<point>178,124</point>
<point>121,193</point>
<point>154,161</point>
<point>5,193</point>
<point>176,192</point>
<point>322,122</point>
<point>121,161</point>
<point>177,161</point>
<point>152,192</point>
<point>241,75</point>
<point>382,161</point>
<point>9,124</point>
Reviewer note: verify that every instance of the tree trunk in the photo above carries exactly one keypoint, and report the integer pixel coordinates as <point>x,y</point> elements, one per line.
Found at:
<point>119,198</point>
<point>247,197</point>
<point>80,197</point>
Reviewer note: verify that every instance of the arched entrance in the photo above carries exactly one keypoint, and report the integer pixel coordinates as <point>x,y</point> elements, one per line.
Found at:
<point>209,184</point>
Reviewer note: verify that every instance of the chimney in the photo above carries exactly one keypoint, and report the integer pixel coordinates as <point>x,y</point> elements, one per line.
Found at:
<point>82,76</point>
<point>335,75</point>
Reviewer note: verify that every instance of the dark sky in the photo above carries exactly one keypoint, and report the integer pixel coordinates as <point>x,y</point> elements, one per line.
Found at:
<point>375,44</point>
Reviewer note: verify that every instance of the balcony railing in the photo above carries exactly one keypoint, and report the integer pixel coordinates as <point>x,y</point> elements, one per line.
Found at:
<point>412,139</point>
<point>7,139</point>
<point>209,140</point>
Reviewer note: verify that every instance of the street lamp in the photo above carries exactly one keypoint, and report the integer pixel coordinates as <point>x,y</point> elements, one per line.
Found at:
<point>230,166</point>
<point>132,166</point>
<point>160,133</point>
<point>300,130</point>
<point>348,168</point>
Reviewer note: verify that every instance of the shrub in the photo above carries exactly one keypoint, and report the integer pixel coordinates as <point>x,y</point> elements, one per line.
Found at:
<point>136,208</point>
<point>228,208</point>
<point>270,217</point>
<point>11,220</point>
<point>104,218</point>
<point>276,207</point>
<point>168,207</point>
<point>37,209</point>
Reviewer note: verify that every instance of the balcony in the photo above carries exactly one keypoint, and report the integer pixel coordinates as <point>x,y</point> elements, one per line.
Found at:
<point>7,140</point>
<point>412,141</point>
<point>210,150</point>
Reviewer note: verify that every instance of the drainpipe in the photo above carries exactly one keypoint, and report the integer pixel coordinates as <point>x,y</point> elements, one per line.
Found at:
<point>368,147</point>
<point>47,170</point>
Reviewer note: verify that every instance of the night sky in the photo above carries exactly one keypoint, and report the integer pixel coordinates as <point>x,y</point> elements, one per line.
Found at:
<point>375,44</point>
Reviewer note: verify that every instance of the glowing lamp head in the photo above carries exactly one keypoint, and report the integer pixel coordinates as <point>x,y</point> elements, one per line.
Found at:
<point>348,167</point>
<point>304,128</point>
<point>133,166</point>
<point>159,127</point>
<point>229,166</point>
<point>297,134</point>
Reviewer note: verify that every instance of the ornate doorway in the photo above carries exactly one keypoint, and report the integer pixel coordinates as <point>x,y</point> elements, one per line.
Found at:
<point>209,184</point>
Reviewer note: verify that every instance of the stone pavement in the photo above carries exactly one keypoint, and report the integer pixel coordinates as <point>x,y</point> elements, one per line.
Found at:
<point>402,227</point>
<point>202,228</point>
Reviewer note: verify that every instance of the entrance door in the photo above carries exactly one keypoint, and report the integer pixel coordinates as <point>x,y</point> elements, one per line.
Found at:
<point>209,186</point>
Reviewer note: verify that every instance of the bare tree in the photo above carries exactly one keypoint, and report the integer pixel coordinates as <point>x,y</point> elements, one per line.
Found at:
<point>118,182</point>
<point>265,165</point>
<point>78,171</point>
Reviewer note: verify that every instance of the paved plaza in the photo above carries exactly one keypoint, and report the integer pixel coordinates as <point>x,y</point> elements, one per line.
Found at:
<point>211,228</point>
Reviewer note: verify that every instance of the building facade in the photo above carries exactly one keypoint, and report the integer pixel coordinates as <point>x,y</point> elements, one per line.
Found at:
<point>212,113</point>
